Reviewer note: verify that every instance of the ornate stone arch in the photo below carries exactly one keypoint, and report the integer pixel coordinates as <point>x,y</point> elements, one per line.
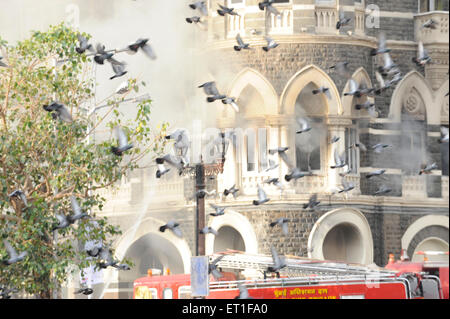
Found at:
<point>249,76</point>
<point>360,76</point>
<point>412,86</point>
<point>240,223</point>
<point>300,80</point>
<point>151,225</point>
<point>421,224</point>
<point>350,218</point>
<point>442,102</point>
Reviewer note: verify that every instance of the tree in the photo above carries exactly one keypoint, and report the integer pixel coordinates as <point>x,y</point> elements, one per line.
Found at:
<point>50,160</point>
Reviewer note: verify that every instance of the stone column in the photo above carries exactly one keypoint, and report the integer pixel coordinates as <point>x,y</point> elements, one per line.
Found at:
<point>336,127</point>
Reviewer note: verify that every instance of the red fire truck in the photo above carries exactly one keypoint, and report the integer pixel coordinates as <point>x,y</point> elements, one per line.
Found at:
<point>304,278</point>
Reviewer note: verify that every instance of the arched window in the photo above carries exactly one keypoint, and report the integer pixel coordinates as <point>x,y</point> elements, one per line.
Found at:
<point>308,145</point>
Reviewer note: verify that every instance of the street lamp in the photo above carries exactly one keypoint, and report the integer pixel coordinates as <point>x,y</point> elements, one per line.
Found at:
<point>200,171</point>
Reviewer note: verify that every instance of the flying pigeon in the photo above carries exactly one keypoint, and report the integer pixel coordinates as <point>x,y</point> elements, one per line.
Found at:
<point>271,44</point>
<point>123,88</point>
<point>295,174</point>
<point>383,190</point>
<point>313,203</point>
<point>283,222</point>
<point>359,145</point>
<point>354,89</point>
<point>209,230</point>
<point>84,291</point>
<point>162,170</point>
<point>278,262</point>
<point>378,148</point>
<point>388,66</point>
<point>241,45</point>
<point>272,165</point>
<point>173,226</point>
<point>83,45</point>
<point>233,190</point>
<point>343,21</point>
<point>211,90</point>
<point>219,211</point>
<point>323,90</point>
<point>444,135</point>
<point>59,111</point>
<point>101,55</point>
<point>20,194</point>
<point>123,143</point>
<point>334,139</point>
<point>144,46</point>
<point>231,101</point>
<point>346,186</point>
<point>347,171</point>
<point>182,142</point>
<point>106,260</point>
<point>201,6</point>
<point>262,197</point>
<point>6,293</point>
<point>119,70</point>
<point>267,4</point>
<point>225,10</point>
<point>304,126</point>
<point>63,222</point>
<point>212,267</point>
<point>202,193</point>
<point>422,56</point>
<point>14,257</point>
<point>3,64</point>
<point>381,46</point>
<point>78,213</point>
<point>428,168</point>
<point>382,84</point>
<point>378,172</point>
<point>370,107</point>
<point>339,160</point>
<point>276,182</point>
<point>342,69</point>
<point>174,161</point>
<point>194,19</point>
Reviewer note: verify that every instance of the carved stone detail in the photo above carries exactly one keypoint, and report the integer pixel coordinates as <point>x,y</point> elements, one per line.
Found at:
<point>413,103</point>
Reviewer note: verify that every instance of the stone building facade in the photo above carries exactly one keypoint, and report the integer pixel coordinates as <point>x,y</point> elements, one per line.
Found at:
<point>272,89</point>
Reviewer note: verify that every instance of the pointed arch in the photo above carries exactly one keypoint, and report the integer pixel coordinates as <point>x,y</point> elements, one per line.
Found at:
<point>250,77</point>
<point>360,76</point>
<point>414,80</point>
<point>151,225</point>
<point>300,80</point>
<point>442,102</point>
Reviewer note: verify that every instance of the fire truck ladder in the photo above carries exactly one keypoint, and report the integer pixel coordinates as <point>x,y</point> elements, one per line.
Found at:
<point>298,267</point>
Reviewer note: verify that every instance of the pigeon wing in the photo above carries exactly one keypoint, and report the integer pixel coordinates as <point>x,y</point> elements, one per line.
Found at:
<point>122,138</point>
<point>149,51</point>
<point>11,251</point>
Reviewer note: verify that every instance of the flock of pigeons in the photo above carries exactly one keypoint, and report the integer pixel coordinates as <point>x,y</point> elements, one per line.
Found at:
<point>61,113</point>
<point>387,76</point>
